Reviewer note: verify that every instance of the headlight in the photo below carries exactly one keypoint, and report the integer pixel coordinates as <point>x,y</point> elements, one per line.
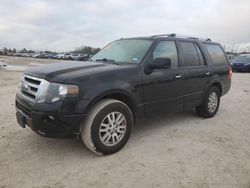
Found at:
<point>51,92</point>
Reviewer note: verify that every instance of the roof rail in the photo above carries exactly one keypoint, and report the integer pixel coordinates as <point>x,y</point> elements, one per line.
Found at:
<point>180,36</point>
<point>164,35</point>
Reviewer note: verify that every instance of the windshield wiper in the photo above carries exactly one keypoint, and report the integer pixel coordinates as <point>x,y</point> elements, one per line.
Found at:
<point>107,60</point>
<point>104,59</point>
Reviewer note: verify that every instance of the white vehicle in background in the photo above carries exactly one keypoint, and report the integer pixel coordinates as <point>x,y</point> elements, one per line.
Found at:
<point>67,56</point>
<point>36,55</point>
<point>26,55</point>
<point>59,56</point>
<point>17,54</point>
<point>75,57</point>
<point>2,63</point>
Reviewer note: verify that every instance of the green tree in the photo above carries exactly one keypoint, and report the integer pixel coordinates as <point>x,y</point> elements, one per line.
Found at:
<point>31,51</point>
<point>86,50</point>
<point>24,50</point>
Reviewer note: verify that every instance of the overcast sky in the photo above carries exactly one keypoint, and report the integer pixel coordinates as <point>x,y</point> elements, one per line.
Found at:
<point>62,25</point>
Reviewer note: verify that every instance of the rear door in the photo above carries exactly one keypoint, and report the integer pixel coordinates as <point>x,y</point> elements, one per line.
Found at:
<point>196,71</point>
<point>220,64</point>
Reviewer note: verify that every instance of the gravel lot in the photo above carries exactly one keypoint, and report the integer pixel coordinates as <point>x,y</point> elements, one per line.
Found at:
<point>179,150</point>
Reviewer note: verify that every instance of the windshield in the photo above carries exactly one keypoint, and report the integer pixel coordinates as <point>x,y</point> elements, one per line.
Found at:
<point>242,59</point>
<point>123,51</point>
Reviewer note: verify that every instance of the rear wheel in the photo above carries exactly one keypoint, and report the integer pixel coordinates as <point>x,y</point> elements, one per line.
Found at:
<point>210,104</point>
<point>107,127</point>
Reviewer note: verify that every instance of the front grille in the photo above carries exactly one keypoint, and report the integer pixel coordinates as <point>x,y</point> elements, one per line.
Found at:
<point>28,86</point>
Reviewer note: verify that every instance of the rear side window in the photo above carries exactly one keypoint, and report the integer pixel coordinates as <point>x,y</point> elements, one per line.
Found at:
<point>190,55</point>
<point>166,49</point>
<point>216,53</point>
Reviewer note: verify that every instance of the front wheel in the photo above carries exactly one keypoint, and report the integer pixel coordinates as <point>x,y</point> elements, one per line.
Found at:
<point>210,104</point>
<point>107,127</point>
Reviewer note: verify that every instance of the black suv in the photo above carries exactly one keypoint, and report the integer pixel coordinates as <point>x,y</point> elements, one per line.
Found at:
<point>131,78</point>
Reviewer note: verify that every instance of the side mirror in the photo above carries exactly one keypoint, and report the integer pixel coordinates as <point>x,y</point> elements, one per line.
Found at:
<point>161,63</point>
<point>158,63</point>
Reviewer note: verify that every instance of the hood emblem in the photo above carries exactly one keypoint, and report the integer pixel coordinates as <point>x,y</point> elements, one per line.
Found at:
<point>25,87</point>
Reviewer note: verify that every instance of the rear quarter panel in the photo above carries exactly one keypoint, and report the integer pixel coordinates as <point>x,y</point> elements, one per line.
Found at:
<point>219,73</point>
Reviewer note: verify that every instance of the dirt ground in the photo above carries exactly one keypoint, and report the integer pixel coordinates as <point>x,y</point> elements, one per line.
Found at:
<point>180,150</point>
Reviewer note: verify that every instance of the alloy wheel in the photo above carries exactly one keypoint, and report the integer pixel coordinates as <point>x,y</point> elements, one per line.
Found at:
<point>112,128</point>
<point>212,102</point>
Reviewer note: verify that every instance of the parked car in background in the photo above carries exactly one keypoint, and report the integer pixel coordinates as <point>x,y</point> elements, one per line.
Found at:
<point>67,56</point>
<point>35,55</point>
<point>42,56</point>
<point>85,57</point>
<point>17,54</point>
<point>26,54</point>
<point>59,56</point>
<point>50,56</point>
<point>2,63</point>
<point>74,57</point>
<point>241,63</point>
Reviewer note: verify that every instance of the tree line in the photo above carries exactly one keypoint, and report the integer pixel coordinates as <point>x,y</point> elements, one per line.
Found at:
<point>86,50</point>
<point>80,50</point>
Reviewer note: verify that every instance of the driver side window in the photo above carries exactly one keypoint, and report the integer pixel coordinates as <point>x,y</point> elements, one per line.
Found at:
<point>166,49</point>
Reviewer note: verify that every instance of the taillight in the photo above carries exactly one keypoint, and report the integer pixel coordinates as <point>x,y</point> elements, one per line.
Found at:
<point>230,72</point>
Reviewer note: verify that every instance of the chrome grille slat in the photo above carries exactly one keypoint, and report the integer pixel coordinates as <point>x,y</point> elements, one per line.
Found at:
<point>29,94</point>
<point>24,96</point>
<point>35,82</point>
<point>29,86</point>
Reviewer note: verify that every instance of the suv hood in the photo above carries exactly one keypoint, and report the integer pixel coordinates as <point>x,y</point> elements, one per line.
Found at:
<point>58,72</point>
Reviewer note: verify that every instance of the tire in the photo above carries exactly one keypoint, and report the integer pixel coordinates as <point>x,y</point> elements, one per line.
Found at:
<point>210,104</point>
<point>100,133</point>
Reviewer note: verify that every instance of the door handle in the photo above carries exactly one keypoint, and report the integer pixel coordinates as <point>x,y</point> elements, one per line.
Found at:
<point>178,76</point>
<point>207,73</point>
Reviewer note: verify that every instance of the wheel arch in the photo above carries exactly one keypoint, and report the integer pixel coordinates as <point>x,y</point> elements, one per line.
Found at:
<point>122,95</point>
<point>214,82</point>
<point>219,86</point>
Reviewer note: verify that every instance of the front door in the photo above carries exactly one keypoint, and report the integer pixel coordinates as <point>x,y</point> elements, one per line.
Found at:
<point>163,87</point>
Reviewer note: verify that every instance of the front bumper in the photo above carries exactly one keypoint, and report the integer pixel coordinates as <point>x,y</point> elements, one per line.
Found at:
<point>48,120</point>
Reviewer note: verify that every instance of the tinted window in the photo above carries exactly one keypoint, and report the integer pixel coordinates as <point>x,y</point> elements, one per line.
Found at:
<point>166,49</point>
<point>190,56</point>
<point>200,55</point>
<point>216,53</point>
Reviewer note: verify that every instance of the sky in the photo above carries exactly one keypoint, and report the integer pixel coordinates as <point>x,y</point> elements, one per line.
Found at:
<point>63,25</point>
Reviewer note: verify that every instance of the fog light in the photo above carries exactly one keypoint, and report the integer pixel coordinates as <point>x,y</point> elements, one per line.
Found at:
<point>51,117</point>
